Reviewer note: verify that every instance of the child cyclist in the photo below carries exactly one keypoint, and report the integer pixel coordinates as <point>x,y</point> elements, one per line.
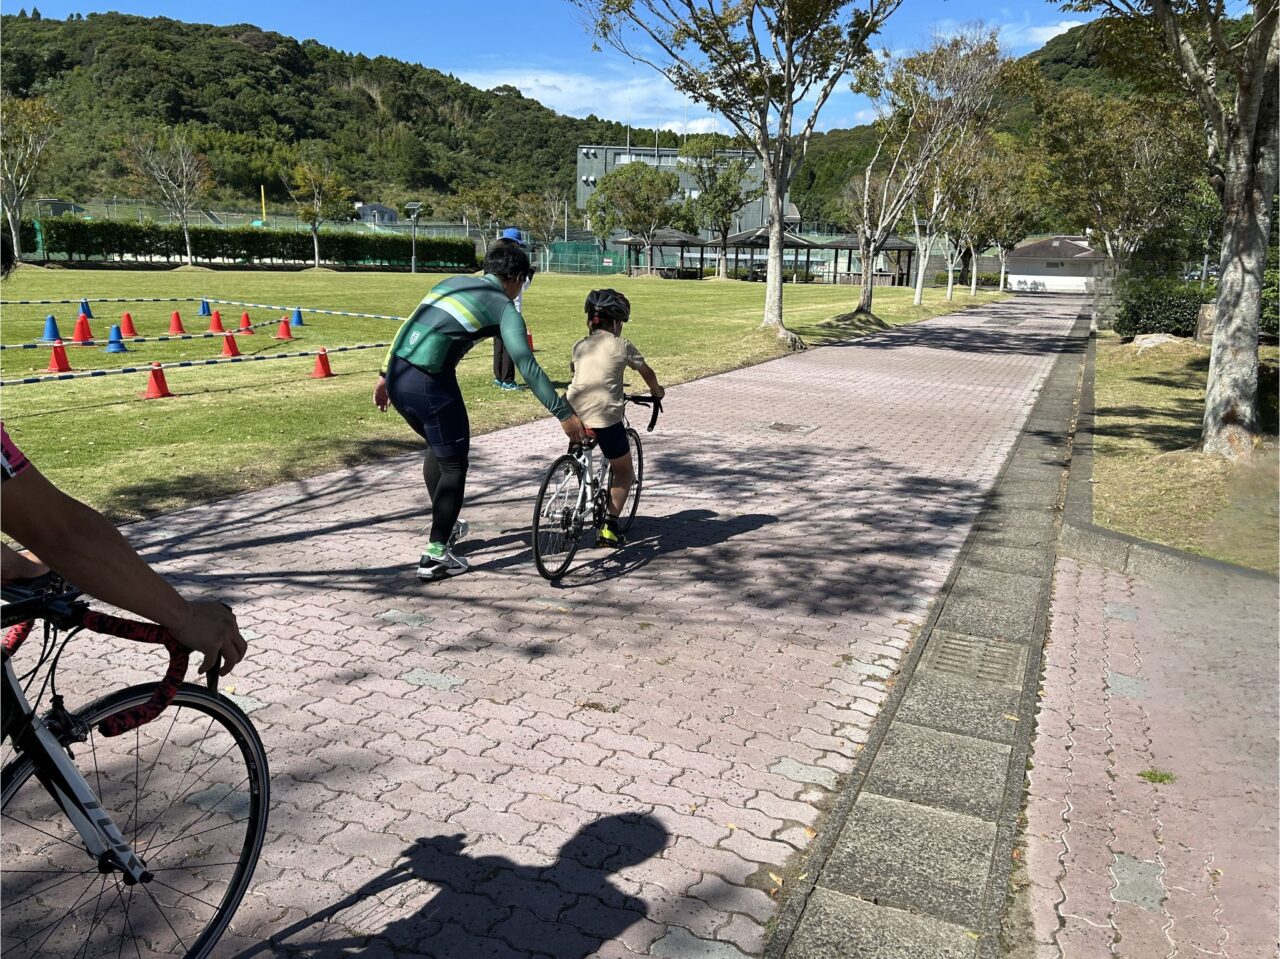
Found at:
<point>596,394</point>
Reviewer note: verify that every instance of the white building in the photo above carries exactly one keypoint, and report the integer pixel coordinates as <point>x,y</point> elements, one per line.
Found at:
<point>1060,264</point>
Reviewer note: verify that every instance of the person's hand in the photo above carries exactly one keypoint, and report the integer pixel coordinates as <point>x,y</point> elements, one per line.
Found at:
<point>573,429</point>
<point>211,629</point>
<point>658,392</point>
<point>14,565</point>
<point>380,398</point>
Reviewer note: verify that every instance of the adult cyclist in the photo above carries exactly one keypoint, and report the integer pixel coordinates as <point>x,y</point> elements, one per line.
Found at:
<point>419,378</point>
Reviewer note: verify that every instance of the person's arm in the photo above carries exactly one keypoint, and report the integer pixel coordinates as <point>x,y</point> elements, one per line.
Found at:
<point>515,338</point>
<point>651,381</point>
<point>87,550</point>
<point>13,565</point>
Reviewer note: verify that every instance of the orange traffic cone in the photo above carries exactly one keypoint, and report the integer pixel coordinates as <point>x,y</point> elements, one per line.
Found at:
<point>529,337</point>
<point>246,328</point>
<point>215,323</point>
<point>157,388</point>
<point>322,370</point>
<point>83,336</point>
<point>175,324</point>
<point>58,359</point>
<point>126,325</point>
<point>229,347</point>
<point>283,333</point>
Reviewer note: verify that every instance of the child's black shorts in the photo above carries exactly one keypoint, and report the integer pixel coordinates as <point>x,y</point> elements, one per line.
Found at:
<point>612,440</point>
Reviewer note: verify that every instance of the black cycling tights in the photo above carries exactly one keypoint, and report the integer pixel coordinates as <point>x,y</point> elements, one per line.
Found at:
<point>446,479</point>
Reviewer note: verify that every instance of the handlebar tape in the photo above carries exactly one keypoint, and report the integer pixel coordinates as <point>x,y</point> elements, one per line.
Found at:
<point>127,719</point>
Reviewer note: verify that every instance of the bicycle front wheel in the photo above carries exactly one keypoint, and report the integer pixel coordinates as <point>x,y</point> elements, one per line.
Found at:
<point>188,791</point>
<point>628,514</point>
<point>559,517</point>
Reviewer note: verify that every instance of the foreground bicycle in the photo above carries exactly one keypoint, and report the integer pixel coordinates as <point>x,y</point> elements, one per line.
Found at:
<point>122,836</point>
<point>574,497</point>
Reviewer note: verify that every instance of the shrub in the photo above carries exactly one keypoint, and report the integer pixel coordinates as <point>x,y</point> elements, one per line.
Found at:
<point>1270,322</point>
<point>1155,306</point>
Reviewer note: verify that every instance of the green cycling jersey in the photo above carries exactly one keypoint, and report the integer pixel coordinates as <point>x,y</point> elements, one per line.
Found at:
<point>454,316</point>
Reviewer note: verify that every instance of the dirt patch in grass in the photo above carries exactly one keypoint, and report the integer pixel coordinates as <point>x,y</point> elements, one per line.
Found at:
<point>1151,482</point>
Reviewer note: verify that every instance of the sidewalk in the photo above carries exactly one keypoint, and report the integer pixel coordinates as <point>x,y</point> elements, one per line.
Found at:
<point>635,761</point>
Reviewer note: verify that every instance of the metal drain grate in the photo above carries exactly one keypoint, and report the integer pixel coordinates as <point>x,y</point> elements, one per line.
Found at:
<point>973,657</point>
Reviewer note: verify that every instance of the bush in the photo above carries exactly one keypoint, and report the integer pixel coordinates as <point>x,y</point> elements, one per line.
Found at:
<point>1270,322</point>
<point>1154,306</point>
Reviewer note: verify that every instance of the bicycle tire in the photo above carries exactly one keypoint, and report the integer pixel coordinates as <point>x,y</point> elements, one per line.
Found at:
<point>201,844</point>
<point>558,522</point>
<point>628,514</point>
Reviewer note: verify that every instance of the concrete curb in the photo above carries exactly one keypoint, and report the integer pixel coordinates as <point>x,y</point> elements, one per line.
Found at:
<point>1083,539</point>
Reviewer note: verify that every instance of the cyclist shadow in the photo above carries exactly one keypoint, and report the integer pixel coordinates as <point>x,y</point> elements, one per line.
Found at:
<point>479,905</point>
<point>653,537</point>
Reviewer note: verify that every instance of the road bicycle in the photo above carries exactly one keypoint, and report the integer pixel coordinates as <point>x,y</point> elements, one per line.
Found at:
<point>574,497</point>
<point>132,826</point>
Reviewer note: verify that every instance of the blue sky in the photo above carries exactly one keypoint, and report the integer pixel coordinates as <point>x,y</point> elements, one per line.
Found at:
<point>540,46</point>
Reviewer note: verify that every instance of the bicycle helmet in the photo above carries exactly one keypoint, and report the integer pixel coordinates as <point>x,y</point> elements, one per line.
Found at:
<point>606,306</point>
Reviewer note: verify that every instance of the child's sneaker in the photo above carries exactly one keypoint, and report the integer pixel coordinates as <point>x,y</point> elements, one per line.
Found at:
<point>610,535</point>
<point>439,562</point>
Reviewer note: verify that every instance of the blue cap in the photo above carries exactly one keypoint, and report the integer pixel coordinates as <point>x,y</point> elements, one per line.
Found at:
<point>511,233</point>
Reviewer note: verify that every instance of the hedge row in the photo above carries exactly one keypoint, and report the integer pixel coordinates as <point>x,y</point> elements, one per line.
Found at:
<point>74,237</point>
<point>1160,306</point>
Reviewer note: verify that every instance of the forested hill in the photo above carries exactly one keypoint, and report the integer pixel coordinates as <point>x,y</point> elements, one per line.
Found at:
<point>395,130</point>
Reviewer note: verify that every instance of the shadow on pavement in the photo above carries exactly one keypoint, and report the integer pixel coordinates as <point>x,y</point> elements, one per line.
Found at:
<point>485,905</point>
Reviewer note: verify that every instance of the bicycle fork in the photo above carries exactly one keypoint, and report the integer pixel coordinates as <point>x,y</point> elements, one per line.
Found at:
<point>64,782</point>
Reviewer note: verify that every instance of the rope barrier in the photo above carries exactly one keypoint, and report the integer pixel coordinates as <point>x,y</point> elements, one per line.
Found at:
<point>87,374</point>
<point>146,339</point>
<point>104,299</point>
<point>305,309</point>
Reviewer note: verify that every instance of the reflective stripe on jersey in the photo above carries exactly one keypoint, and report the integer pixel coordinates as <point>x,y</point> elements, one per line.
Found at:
<point>14,462</point>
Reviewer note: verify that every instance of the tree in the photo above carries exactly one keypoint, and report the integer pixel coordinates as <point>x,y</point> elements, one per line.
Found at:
<point>636,198</point>
<point>26,126</point>
<point>1010,177</point>
<point>545,212</point>
<point>722,190</point>
<point>755,64</point>
<point>1119,166</point>
<point>927,104</point>
<point>485,205</point>
<point>1231,71</point>
<point>317,193</point>
<point>172,170</point>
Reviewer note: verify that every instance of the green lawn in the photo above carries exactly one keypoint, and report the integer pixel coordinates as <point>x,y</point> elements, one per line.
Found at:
<point>244,426</point>
<point>1149,480</point>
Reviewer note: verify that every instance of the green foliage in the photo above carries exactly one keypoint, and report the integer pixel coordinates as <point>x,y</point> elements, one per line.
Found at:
<point>636,198</point>
<point>1156,306</point>
<point>76,238</point>
<point>1270,321</point>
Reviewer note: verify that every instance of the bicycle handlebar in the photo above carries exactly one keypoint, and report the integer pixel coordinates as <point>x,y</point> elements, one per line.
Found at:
<point>641,400</point>
<point>63,610</point>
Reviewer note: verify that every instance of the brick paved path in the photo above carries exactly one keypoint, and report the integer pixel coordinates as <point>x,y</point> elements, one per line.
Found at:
<point>1175,674</point>
<point>495,766</point>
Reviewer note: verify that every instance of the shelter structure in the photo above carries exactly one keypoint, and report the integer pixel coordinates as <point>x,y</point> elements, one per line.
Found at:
<point>893,249</point>
<point>665,238</point>
<point>758,239</point>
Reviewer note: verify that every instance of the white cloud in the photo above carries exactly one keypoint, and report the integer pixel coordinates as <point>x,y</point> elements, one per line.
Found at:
<point>1027,36</point>
<point>699,125</point>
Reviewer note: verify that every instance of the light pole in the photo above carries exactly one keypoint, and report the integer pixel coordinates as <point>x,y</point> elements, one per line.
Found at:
<point>414,208</point>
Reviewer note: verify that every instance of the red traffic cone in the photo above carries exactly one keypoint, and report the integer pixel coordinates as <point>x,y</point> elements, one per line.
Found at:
<point>529,337</point>
<point>58,362</point>
<point>246,327</point>
<point>175,324</point>
<point>83,336</point>
<point>229,347</point>
<point>215,323</point>
<point>322,370</point>
<point>126,325</point>
<point>283,333</point>
<point>157,388</point>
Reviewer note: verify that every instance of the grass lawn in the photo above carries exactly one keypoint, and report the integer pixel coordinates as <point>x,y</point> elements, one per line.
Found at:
<point>245,426</point>
<point>1148,481</point>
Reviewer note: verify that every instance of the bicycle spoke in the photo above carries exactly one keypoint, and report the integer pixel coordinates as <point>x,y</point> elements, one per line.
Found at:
<point>53,926</point>
<point>67,842</point>
<point>185,895</point>
<point>151,851</point>
<point>163,915</point>
<point>99,915</point>
<point>157,821</point>
<point>44,889</point>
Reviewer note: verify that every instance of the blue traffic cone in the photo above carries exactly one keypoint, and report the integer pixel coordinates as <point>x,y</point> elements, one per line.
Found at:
<point>204,308</point>
<point>50,330</point>
<point>115,342</point>
<point>84,308</point>
<point>297,317</point>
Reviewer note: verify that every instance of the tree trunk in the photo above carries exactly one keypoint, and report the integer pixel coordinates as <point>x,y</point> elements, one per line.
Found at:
<point>773,273</point>
<point>15,221</point>
<point>315,242</point>
<point>722,266</point>
<point>924,246</point>
<point>1231,393</point>
<point>973,271</point>
<point>186,237</point>
<point>951,281</point>
<point>865,253</point>
<point>1004,259</point>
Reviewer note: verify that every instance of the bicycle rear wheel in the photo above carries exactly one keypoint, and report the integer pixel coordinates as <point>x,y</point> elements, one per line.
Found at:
<point>628,514</point>
<point>189,792</point>
<point>559,517</point>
